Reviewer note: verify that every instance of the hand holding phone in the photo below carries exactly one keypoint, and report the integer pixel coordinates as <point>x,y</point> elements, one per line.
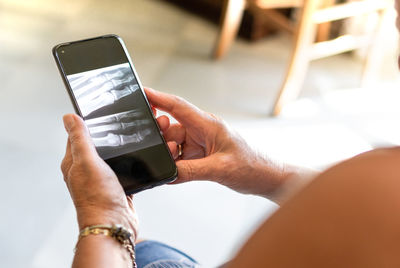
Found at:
<point>106,92</point>
<point>96,194</point>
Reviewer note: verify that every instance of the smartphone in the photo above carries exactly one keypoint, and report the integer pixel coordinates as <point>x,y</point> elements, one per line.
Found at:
<point>106,92</point>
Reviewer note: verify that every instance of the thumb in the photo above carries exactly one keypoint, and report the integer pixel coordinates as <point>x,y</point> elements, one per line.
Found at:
<point>197,169</point>
<point>81,143</point>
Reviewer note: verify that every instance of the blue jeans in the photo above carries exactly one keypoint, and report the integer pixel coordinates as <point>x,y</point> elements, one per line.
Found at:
<point>153,254</point>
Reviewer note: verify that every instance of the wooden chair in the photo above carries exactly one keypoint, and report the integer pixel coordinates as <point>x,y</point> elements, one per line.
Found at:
<point>232,13</point>
<point>311,33</point>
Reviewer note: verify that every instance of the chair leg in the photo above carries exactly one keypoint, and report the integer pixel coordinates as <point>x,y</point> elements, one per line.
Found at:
<point>373,59</point>
<point>232,14</point>
<point>324,29</point>
<point>296,72</point>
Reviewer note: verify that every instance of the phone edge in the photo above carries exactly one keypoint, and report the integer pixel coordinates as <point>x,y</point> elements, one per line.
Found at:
<point>169,179</point>
<point>175,175</point>
<point>64,78</point>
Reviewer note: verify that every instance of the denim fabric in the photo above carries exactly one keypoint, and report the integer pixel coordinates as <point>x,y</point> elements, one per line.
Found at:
<point>153,254</point>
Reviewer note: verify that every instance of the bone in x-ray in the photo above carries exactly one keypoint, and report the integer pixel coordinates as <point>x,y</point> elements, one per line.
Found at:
<point>116,122</point>
<point>105,125</point>
<point>116,140</point>
<point>84,86</point>
<point>97,99</point>
<point>105,88</point>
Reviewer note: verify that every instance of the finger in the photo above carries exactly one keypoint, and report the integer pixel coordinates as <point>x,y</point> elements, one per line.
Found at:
<point>154,110</point>
<point>198,169</point>
<point>67,161</point>
<point>81,143</point>
<point>163,122</point>
<point>180,109</point>
<point>173,148</point>
<point>175,132</point>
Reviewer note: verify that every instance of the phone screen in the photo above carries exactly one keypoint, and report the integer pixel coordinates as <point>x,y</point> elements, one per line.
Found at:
<point>109,97</point>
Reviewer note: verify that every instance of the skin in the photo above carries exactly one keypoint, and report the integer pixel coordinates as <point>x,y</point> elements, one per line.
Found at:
<point>346,217</point>
<point>211,151</point>
<point>87,176</point>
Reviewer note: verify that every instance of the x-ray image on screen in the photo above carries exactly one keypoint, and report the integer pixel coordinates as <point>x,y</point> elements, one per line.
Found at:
<point>106,98</point>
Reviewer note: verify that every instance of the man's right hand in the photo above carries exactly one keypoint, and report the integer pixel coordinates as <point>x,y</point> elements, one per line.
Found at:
<point>212,151</point>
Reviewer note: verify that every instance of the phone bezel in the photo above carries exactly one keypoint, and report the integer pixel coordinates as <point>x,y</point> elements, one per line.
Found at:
<point>55,49</point>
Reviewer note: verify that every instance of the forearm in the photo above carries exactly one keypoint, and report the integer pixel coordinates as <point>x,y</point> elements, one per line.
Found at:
<point>292,180</point>
<point>265,177</point>
<point>99,251</point>
<point>278,181</point>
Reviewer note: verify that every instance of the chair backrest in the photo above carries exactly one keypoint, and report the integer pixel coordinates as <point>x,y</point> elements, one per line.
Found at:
<point>277,3</point>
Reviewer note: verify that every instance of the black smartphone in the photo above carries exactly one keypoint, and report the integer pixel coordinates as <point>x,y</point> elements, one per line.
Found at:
<point>106,92</point>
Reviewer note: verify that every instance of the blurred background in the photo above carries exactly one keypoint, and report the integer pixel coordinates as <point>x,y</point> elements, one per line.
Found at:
<point>171,44</point>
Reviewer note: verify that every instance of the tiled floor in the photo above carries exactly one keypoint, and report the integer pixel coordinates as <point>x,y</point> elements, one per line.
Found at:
<point>171,51</point>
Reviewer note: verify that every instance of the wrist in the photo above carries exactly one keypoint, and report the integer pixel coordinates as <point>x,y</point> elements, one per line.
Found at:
<point>273,173</point>
<point>283,179</point>
<point>101,217</point>
<point>252,173</point>
<point>87,249</point>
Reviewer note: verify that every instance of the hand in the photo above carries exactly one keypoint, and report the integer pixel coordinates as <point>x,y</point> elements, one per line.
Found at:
<point>212,151</point>
<point>95,190</point>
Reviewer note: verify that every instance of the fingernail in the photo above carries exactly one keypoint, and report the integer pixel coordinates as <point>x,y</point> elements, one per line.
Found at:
<point>68,122</point>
